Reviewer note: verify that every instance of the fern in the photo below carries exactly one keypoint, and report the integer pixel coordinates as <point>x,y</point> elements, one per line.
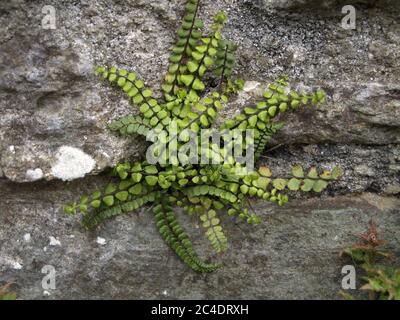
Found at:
<point>131,125</point>
<point>188,106</point>
<point>214,230</point>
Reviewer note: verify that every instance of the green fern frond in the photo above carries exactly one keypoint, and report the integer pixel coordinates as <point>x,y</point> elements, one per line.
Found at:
<point>138,94</point>
<point>115,207</point>
<point>211,223</point>
<point>202,113</point>
<point>275,102</point>
<point>189,36</point>
<point>131,125</point>
<point>225,60</point>
<point>177,239</point>
<point>203,57</point>
<point>205,189</point>
<point>233,86</point>
<point>264,137</point>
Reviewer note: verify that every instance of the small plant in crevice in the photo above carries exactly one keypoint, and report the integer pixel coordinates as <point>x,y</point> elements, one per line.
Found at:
<point>192,105</point>
<point>6,294</point>
<point>381,281</point>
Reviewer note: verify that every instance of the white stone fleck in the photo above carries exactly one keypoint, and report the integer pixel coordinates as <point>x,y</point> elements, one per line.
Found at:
<point>165,292</point>
<point>34,174</point>
<point>54,241</point>
<point>11,148</point>
<point>364,170</point>
<point>72,163</point>
<point>101,241</point>
<point>46,293</point>
<point>27,237</point>
<point>13,264</point>
<point>105,154</point>
<point>250,86</point>
<point>8,261</point>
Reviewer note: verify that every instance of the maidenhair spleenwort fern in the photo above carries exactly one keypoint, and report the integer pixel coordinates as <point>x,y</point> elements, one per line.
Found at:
<point>202,190</point>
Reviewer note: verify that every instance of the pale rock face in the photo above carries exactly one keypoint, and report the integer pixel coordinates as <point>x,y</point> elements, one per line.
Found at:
<point>16,265</point>
<point>53,126</point>
<point>6,262</point>
<point>27,237</point>
<point>54,241</point>
<point>101,241</point>
<point>50,98</point>
<point>250,86</point>
<point>72,163</point>
<point>46,293</point>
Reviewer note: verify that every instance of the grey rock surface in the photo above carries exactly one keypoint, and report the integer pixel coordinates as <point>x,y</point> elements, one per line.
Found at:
<point>50,98</point>
<point>294,254</point>
<point>53,117</point>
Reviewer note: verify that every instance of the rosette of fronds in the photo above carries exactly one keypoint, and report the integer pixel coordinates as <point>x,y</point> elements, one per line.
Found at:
<point>188,107</point>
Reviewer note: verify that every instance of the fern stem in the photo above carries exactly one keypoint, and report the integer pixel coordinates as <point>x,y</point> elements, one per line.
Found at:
<point>223,67</point>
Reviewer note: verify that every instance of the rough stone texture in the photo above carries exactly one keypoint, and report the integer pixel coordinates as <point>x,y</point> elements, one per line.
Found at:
<point>293,255</point>
<point>49,99</point>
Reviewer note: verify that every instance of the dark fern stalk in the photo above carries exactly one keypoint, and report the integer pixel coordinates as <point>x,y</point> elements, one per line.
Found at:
<point>203,190</point>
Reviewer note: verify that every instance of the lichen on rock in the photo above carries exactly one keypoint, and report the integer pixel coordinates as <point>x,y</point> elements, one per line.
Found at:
<point>71,164</point>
